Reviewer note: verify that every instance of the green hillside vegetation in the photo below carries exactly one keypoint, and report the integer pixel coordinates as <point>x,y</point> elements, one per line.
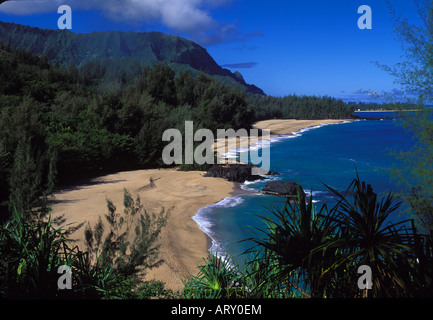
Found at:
<point>127,52</point>
<point>296,107</point>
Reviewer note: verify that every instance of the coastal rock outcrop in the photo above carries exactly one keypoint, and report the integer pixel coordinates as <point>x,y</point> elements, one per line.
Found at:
<point>236,172</point>
<point>282,188</point>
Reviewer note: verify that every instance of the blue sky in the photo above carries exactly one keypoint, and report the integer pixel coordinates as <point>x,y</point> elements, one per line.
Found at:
<point>303,47</point>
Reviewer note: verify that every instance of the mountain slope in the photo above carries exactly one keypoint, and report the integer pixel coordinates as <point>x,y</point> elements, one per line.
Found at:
<point>67,47</point>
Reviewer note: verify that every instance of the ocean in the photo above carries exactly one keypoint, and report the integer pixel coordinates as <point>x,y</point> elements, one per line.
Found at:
<point>327,154</point>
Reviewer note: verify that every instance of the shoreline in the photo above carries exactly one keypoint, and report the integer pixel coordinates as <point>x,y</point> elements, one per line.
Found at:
<point>237,191</point>
<point>279,127</point>
<point>183,244</point>
<point>392,110</point>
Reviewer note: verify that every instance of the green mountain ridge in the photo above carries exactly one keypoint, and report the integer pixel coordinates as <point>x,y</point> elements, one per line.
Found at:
<point>66,47</point>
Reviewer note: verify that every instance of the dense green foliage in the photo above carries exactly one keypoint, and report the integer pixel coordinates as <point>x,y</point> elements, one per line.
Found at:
<point>414,74</point>
<point>129,246</point>
<point>294,107</point>
<point>415,177</point>
<point>33,247</point>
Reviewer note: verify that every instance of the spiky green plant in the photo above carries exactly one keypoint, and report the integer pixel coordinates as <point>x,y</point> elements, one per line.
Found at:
<point>30,253</point>
<point>217,279</point>
<point>291,233</point>
<point>129,244</point>
<point>32,248</point>
<point>370,237</point>
<point>263,278</point>
<point>317,253</point>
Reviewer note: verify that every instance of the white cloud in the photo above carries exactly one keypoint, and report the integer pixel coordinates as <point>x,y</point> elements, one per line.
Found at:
<point>189,17</point>
<point>184,16</point>
<point>28,7</point>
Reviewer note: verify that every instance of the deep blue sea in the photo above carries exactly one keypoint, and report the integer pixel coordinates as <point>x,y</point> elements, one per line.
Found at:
<point>329,154</point>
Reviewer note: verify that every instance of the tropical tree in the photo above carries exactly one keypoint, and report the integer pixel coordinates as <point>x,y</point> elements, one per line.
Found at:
<point>130,243</point>
<point>217,279</point>
<point>33,247</point>
<point>317,253</point>
<point>414,74</point>
<point>369,236</point>
<point>291,235</point>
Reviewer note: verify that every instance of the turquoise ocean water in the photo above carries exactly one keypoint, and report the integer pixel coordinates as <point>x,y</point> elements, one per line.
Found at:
<point>328,154</point>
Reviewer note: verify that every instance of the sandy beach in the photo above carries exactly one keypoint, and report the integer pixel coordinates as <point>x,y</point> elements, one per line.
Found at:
<point>275,126</point>
<point>282,127</point>
<point>183,244</point>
